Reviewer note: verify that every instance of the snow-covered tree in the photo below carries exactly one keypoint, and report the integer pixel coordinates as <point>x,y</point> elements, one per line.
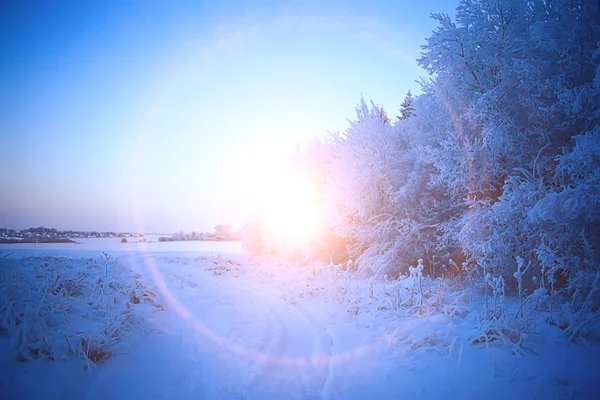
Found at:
<point>495,161</point>
<point>407,108</point>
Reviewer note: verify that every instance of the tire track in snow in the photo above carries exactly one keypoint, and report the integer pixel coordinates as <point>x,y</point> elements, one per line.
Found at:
<point>287,355</point>
<point>298,357</point>
<point>294,363</point>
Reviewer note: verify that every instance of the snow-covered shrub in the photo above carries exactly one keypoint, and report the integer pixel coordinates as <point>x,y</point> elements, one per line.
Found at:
<point>419,294</point>
<point>495,333</point>
<point>412,294</point>
<point>59,308</point>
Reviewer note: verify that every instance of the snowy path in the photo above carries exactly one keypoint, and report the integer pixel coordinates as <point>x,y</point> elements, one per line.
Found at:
<point>222,338</point>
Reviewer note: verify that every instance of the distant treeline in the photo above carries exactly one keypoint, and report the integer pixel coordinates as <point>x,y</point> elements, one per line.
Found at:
<point>36,240</point>
<point>222,233</point>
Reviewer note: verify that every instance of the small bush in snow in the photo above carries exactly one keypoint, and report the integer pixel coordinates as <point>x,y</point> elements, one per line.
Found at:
<point>57,308</point>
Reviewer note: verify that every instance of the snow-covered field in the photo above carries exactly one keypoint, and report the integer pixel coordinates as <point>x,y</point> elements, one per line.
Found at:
<point>95,246</point>
<point>105,320</point>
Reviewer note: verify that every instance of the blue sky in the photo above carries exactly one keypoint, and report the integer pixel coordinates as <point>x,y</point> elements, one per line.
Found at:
<point>163,116</point>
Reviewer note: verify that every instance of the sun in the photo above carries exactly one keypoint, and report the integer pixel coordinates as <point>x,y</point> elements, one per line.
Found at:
<point>277,192</point>
<point>290,209</point>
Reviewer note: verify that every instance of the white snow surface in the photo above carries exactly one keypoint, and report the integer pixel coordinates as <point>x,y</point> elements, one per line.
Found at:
<point>235,327</point>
